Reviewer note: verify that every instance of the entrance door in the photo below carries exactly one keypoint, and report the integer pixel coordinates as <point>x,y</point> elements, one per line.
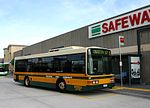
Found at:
<point>116,68</point>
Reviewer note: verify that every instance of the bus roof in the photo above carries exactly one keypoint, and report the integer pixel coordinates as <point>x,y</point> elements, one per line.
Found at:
<point>59,51</point>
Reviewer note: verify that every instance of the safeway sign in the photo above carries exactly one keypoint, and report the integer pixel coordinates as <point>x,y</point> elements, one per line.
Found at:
<point>127,21</point>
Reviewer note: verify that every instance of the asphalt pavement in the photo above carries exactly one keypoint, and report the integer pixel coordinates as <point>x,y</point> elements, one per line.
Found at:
<point>15,95</point>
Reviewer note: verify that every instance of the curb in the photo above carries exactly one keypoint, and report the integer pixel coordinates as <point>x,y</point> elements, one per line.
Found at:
<point>130,91</point>
<point>130,88</point>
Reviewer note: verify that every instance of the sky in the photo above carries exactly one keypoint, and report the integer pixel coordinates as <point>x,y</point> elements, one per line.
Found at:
<point>26,22</point>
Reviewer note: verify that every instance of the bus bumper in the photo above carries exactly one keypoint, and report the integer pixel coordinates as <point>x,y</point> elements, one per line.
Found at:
<point>90,88</point>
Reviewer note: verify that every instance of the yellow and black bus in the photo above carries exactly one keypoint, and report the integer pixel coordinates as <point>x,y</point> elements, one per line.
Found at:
<point>69,68</point>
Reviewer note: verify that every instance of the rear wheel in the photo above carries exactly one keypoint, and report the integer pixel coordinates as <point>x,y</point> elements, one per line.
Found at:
<point>26,81</point>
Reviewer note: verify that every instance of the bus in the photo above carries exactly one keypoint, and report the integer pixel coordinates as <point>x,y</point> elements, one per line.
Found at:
<point>4,69</point>
<point>73,68</point>
<point>3,72</point>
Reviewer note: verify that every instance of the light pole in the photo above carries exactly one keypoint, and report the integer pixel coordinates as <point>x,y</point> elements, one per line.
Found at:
<point>121,42</point>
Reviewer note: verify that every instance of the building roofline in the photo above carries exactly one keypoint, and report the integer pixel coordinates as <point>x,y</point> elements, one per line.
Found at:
<point>16,45</point>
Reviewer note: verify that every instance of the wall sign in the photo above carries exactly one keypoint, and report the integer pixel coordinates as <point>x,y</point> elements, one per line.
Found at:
<point>127,21</point>
<point>135,67</point>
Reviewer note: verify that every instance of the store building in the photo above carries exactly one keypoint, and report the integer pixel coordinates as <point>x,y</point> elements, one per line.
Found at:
<point>133,25</point>
<point>9,53</point>
<point>1,60</point>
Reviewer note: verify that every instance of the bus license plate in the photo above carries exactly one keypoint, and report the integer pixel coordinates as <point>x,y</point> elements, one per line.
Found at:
<point>105,85</point>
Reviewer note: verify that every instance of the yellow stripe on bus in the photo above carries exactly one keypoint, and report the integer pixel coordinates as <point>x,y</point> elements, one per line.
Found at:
<point>61,74</point>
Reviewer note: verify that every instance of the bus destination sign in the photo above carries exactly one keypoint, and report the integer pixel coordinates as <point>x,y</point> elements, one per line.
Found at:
<point>100,52</point>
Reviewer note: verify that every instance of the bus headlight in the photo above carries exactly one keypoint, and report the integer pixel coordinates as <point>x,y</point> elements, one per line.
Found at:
<point>95,82</point>
<point>112,80</point>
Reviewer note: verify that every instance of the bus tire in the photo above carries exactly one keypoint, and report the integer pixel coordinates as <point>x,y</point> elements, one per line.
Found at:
<point>26,81</point>
<point>61,85</point>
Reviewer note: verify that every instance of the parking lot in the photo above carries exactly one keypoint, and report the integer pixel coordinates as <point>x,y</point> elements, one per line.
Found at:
<point>15,95</point>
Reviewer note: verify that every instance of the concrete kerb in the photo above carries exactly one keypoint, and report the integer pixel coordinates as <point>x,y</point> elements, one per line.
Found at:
<point>142,91</point>
<point>131,88</point>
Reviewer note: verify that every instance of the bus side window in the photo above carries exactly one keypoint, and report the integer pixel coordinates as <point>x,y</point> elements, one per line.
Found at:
<point>21,65</point>
<point>67,66</point>
<point>77,63</point>
<point>78,66</point>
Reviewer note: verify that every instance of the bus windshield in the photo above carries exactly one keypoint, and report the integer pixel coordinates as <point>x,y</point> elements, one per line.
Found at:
<point>1,70</point>
<point>98,62</point>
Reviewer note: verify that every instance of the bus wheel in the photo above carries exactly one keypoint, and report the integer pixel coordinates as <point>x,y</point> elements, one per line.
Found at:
<point>61,85</point>
<point>26,81</point>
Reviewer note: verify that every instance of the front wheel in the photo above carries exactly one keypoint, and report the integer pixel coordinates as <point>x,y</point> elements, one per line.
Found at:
<point>27,82</point>
<point>61,86</point>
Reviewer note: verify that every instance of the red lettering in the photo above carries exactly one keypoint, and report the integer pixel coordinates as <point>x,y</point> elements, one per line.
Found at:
<point>111,26</point>
<point>117,23</point>
<point>145,17</point>
<point>125,22</point>
<point>135,19</point>
<point>105,28</point>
